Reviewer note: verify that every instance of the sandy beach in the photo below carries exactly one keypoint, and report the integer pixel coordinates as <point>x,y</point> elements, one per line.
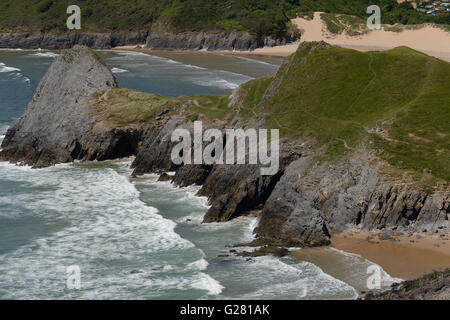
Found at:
<point>430,40</point>
<point>406,256</point>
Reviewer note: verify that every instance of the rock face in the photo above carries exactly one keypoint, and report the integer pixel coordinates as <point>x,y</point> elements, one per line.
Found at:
<point>58,126</point>
<point>303,204</point>
<point>153,40</point>
<point>312,202</point>
<point>209,41</point>
<point>433,286</point>
<point>66,41</point>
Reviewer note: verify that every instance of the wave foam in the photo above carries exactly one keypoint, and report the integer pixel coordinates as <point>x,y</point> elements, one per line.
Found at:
<point>118,70</point>
<point>4,68</point>
<point>205,282</point>
<point>99,223</point>
<point>45,54</point>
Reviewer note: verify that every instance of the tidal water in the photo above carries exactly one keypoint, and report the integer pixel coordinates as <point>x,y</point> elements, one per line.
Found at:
<point>136,238</point>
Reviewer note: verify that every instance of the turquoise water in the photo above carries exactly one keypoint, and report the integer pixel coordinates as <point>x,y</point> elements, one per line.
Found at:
<point>135,238</point>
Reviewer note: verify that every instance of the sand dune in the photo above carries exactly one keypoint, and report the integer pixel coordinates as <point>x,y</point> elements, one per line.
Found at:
<point>430,40</point>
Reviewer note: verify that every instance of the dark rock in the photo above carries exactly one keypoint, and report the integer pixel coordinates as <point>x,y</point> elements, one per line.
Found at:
<point>49,41</point>
<point>135,271</point>
<point>433,286</point>
<point>313,202</point>
<point>191,174</point>
<point>210,41</point>
<point>164,177</point>
<point>264,251</point>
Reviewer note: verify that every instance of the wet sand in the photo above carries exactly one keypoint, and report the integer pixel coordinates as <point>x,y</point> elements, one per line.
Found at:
<point>210,59</point>
<point>405,257</point>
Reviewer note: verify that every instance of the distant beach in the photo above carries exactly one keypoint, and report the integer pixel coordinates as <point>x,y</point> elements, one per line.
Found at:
<point>428,39</point>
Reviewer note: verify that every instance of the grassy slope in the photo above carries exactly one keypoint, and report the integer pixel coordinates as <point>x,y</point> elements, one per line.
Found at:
<point>338,23</point>
<point>394,102</point>
<point>338,97</point>
<point>123,107</point>
<point>260,17</point>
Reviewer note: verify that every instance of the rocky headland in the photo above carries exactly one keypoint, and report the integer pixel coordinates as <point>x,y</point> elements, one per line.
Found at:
<point>78,112</point>
<point>306,202</point>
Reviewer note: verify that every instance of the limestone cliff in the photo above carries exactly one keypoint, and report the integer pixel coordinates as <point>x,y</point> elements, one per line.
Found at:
<point>57,125</point>
<point>304,204</point>
<point>27,40</point>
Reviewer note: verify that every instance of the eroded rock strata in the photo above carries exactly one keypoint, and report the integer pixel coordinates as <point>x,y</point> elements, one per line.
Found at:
<point>27,40</point>
<point>304,204</point>
<point>210,41</point>
<point>152,40</point>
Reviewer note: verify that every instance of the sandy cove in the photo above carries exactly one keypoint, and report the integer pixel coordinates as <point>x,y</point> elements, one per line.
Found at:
<point>407,256</point>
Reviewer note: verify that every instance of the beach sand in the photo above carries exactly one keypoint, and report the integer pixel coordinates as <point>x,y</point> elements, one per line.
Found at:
<point>406,257</point>
<point>205,58</point>
<point>430,40</point>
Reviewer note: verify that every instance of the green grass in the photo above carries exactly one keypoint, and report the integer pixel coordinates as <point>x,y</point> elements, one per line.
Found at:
<point>338,23</point>
<point>214,107</point>
<point>124,107</point>
<point>337,96</point>
<point>394,103</point>
<point>259,17</point>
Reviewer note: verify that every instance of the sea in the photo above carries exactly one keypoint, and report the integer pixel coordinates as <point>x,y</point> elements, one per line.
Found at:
<point>89,230</point>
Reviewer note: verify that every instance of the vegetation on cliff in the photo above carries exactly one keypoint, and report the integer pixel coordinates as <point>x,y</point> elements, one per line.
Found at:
<point>259,17</point>
<point>394,102</point>
<point>123,107</point>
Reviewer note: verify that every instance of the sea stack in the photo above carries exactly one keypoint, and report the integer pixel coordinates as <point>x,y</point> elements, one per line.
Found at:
<point>56,124</point>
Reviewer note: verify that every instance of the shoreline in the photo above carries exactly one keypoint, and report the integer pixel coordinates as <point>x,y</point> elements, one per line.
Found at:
<point>268,58</point>
<point>430,40</point>
<point>407,256</point>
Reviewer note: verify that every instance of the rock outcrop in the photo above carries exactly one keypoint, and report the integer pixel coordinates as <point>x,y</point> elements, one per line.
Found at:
<point>50,41</point>
<point>312,202</point>
<point>209,41</point>
<point>58,126</point>
<point>433,286</point>
<point>303,204</point>
<point>154,40</point>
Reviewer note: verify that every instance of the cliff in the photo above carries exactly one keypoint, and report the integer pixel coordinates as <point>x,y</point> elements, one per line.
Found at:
<point>211,41</point>
<point>57,126</point>
<point>153,40</point>
<point>352,155</point>
<point>53,41</point>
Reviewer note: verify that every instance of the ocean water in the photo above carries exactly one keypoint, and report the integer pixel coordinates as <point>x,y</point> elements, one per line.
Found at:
<point>136,238</point>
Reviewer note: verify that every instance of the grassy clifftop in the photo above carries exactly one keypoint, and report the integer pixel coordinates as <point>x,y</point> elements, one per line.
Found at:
<point>395,103</point>
<point>123,107</point>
